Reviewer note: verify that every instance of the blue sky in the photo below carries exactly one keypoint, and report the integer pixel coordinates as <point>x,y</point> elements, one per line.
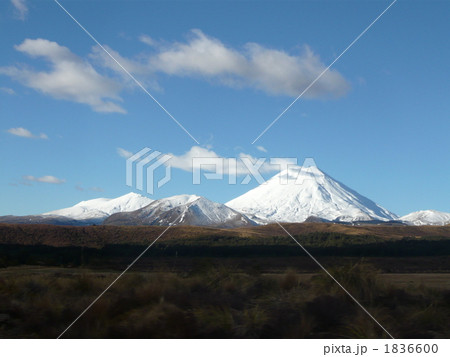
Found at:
<point>378,122</point>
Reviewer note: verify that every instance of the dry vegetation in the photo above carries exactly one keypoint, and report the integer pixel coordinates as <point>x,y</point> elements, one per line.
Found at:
<point>212,301</point>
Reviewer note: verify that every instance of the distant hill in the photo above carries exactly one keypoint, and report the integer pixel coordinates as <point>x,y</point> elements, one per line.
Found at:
<point>99,236</point>
<point>427,217</point>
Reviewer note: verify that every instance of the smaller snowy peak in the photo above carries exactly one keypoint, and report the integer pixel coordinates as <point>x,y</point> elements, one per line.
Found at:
<point>126,203</point>
<point>99,208</point>
<point>427,218</point>
<point>182,210</point>
<point>166,204</point>
<point>212,213</point>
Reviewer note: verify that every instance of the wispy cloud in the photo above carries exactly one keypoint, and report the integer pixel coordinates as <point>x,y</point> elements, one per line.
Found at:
<point>70,77</point>
<point>46,179</point>
<point>21,8</point>
<point>147,40</point>
<point>124,153</point>
<point>270,70</point>
<point>7,90</point>
<point>24,133</point>
<point>261,148</point>
<point>137,68</point>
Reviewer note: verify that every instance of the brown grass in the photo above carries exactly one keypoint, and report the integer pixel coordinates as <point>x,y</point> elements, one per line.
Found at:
<point>217,302</point>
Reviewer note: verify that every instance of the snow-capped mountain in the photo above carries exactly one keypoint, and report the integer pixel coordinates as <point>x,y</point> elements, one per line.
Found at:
<point>297,193</point>
<point>182,210</point>
<point>98,209</point>
<point>428,217</point>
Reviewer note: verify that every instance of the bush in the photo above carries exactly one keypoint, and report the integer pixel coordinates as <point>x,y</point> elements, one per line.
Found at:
<point>218,302</point>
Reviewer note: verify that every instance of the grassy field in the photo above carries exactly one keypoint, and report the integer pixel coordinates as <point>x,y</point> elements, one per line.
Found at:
<point>213,301</point>
<point>209,283</point>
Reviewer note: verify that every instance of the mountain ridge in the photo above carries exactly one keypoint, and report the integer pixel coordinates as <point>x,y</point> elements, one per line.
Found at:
<point>299,194</point>
<point>182,210</point>
<point>97,209</point>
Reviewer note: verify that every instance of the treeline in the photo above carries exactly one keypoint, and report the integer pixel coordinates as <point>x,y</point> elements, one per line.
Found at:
<point>318,244</point>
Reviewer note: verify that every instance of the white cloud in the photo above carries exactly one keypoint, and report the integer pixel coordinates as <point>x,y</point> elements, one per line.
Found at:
<point>21,8</point>
<point>270,70</point>
<point>136,68</point>
<point>280,73</point>
<point>185,162</point>
<point>25,133</point>
<point>253,66</point>
<point>124,153</point>
<point>261,148</point>
<point>21,132</point>
<point>202,55</point>
<point>105,60</point>
<point>46,179</point>
<point>70,77</point>
<point>147,40</point>
<point>7,90</point>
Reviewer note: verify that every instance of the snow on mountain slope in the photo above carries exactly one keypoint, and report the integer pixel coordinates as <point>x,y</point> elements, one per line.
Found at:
<point>297,193</point>
<point>427,217</point>
<point>182,210</point>
<point>100,208</point>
